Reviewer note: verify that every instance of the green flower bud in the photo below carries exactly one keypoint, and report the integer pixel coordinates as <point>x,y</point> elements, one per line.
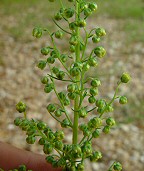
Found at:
<point>64,57</point>
<point>117,166</point>
<point>82,127</point>
<point>73,40</point>
<point>86,66</point>
<point>96,39</point>
<point>60,75</point>
<point>109,108</point>
<point>72,48</point>
<point>58,16</point>
<point>87,12</point>
<point>100,32</point>
<point>110,121</point>
<point>100,51</point>
<point>41,64</point>
<point>21,107</point>
<point>37,32</point>
<point>41,125</point>
<point>58,145</point>
<point>69,12</point>
<point>95,82</point>
<point>93,62</point>
<point>51,108</point>
<point>45,50</point>
<point>82,112</point>
<point>44,80</point>
<point>125,78</point>
<point>50,159</point>
<point>67,148</point>
<point>106,129</point>
<point>101,110</point>
<point>96,122</point>
<point>91,99</point>
<point>54,53</point>
<point>87,149</point>
<point>86,132</point>
<point>22,168</point>
<point>71,96</point>
<point>62,96</point>
<point>123,100</point>
<point>58,113</point>
<point>72,26</point>
<point>94,91</point>
<point>17,121</point>
<point>51,60</point>
<point>80,167</point>
<point>92,6</point>
<point>100,103</point>
<point>55,70</point>
<point>96,134</point>
<point>59,135</point>
<point>51,136</point>
<point>59,34</point>
<point>71,88</point>
<point>48,88</point>
<point>47,148</point>
<point>42,141</point>
<point>75,71</point>
<point>31,131</point>
<point>65,123</point>
<point>30,139</point>
<point>96,156</point>
<point>81,23</point>
<point>66,102</point>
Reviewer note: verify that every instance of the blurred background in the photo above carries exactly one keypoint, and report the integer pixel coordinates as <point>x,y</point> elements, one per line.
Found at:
<point>20,78</point>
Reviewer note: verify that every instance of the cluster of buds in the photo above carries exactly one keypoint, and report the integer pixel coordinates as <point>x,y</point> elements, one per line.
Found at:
<point>76,62</point>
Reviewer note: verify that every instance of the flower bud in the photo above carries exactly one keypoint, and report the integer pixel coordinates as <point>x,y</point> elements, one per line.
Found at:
<point>110,121</point>
<point>75,71</point>
<point>123,100</point>
<point>125,78</point>
<point>65,123</point>
<point>64,57</point>
<point>58,113</point>
<point>80,167</point>
<point>87,12</point>
<point>58,145</point>
<point>106,129</point>
<point>37,32</point>
<point>73,40</point>
<point>55,70</point>
<point>109,108</point>
<point>60,75</point>
<point>96,122</point>
<point>86,66</point>
<point>92,6</point>
<point>58,16</point>
<point>41,64</point>
<point>72,48</point>
<point>59,135</point>
<point>48,88</point>
<point>100,51</point>
<point>50,159</point>
<point>21,107</point>
<point>96,134</point>
<point>100,103</point>
<point>45,50</point>
<point>51,60</point>
<point>47,148</point>
<point>81,23</point>
<point>82,127</point>
<point>30,139</point>
<point>51,108</point>
<point>82,112</point>
<point>91,99</point>
<point>94,91</point>
<point>117,166</point>
<point>71,88</point>
<point>44,80</point>
<point>69,12</point>
<point>72,26</point>
<point>42,141</point>
<point>59,34</point>
<point>71,96</point>
<point>22,168</point>
<point>17,121</point>
<point>96,39</point>
<point>41,125</point>
<point>95,156</point>
<point>93,62</point>
<point>100,32</point>
<point>95,82</point>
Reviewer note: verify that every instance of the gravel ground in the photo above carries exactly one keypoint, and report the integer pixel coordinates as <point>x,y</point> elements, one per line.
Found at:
<point>20,80</point>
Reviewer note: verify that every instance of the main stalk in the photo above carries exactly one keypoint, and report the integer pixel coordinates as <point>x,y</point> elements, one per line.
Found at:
<point>77,59</point>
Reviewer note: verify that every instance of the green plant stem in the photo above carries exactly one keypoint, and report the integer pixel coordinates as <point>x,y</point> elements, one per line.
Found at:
<point>77,59</point>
